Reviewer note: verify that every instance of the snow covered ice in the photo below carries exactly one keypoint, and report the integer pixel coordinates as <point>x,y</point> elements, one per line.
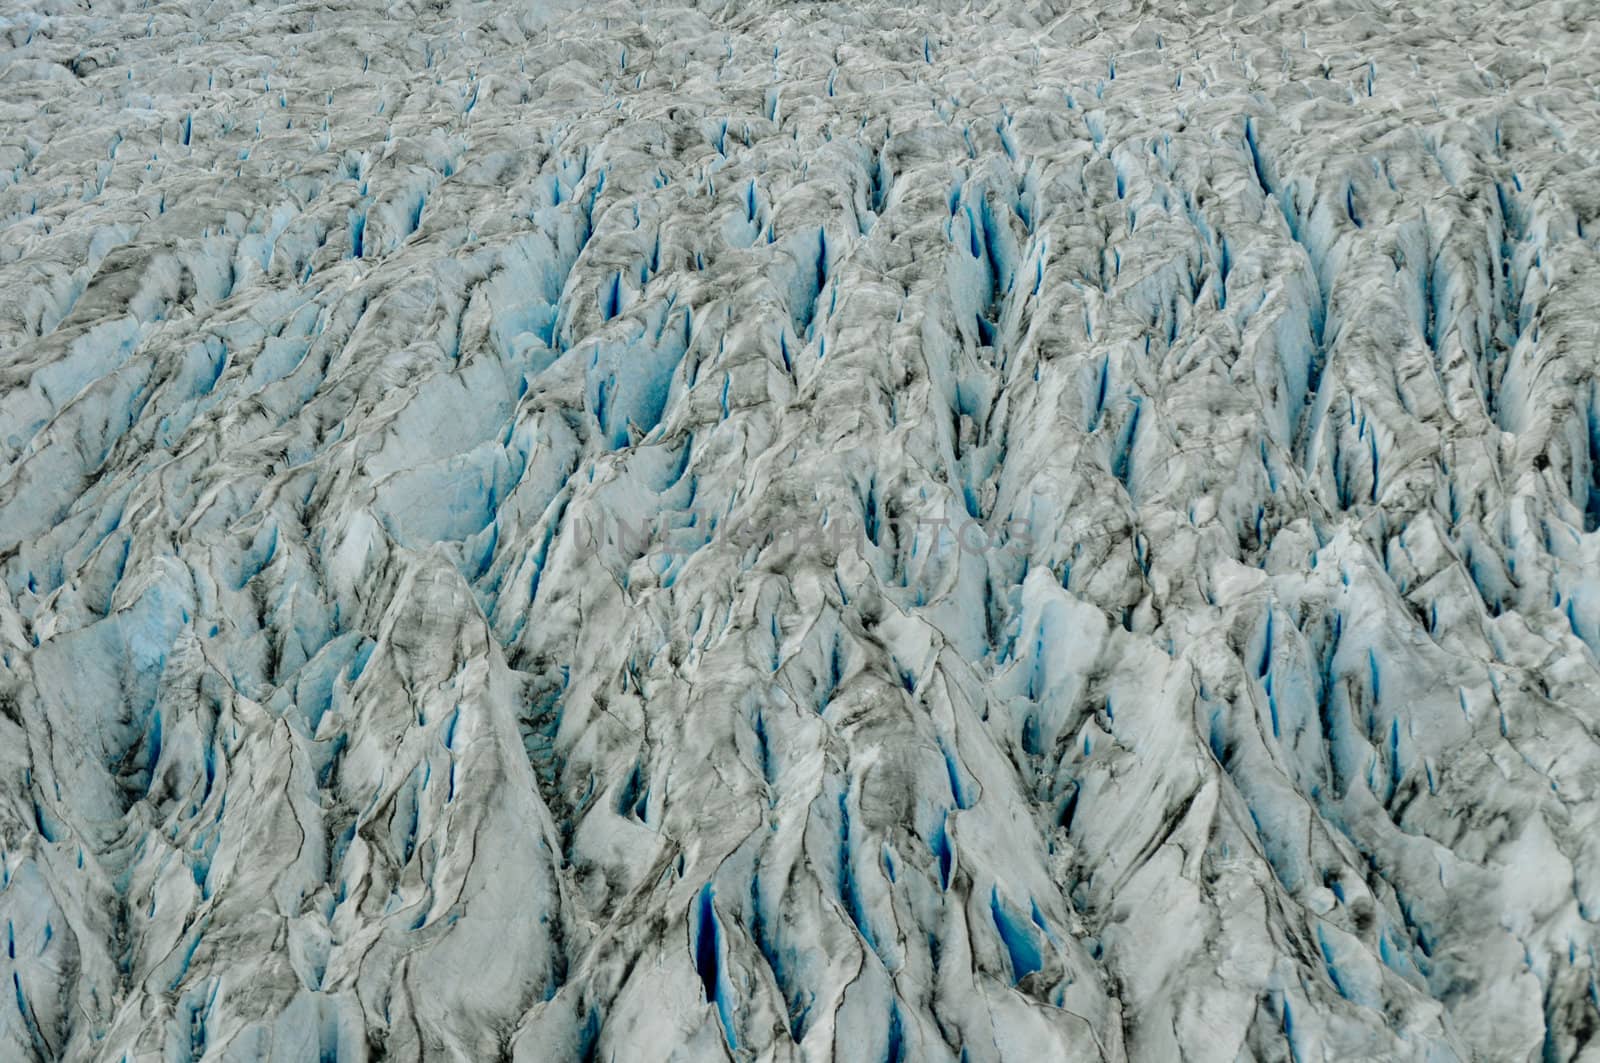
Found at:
<point>789,532</point>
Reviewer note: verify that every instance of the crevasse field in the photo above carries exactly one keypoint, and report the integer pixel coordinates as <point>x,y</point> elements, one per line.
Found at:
<point>793,531</point>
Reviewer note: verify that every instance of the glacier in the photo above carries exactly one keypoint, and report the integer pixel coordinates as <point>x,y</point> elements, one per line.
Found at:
<point>749,530</point>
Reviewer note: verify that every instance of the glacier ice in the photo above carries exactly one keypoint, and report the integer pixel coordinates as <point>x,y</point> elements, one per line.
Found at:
<point>642,531</point>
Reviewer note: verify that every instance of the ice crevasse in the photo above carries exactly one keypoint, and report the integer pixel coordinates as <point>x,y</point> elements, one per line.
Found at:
<point>791,532</point>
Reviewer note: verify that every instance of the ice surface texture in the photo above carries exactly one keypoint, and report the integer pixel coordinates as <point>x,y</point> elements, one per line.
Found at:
<point>347,713</point>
